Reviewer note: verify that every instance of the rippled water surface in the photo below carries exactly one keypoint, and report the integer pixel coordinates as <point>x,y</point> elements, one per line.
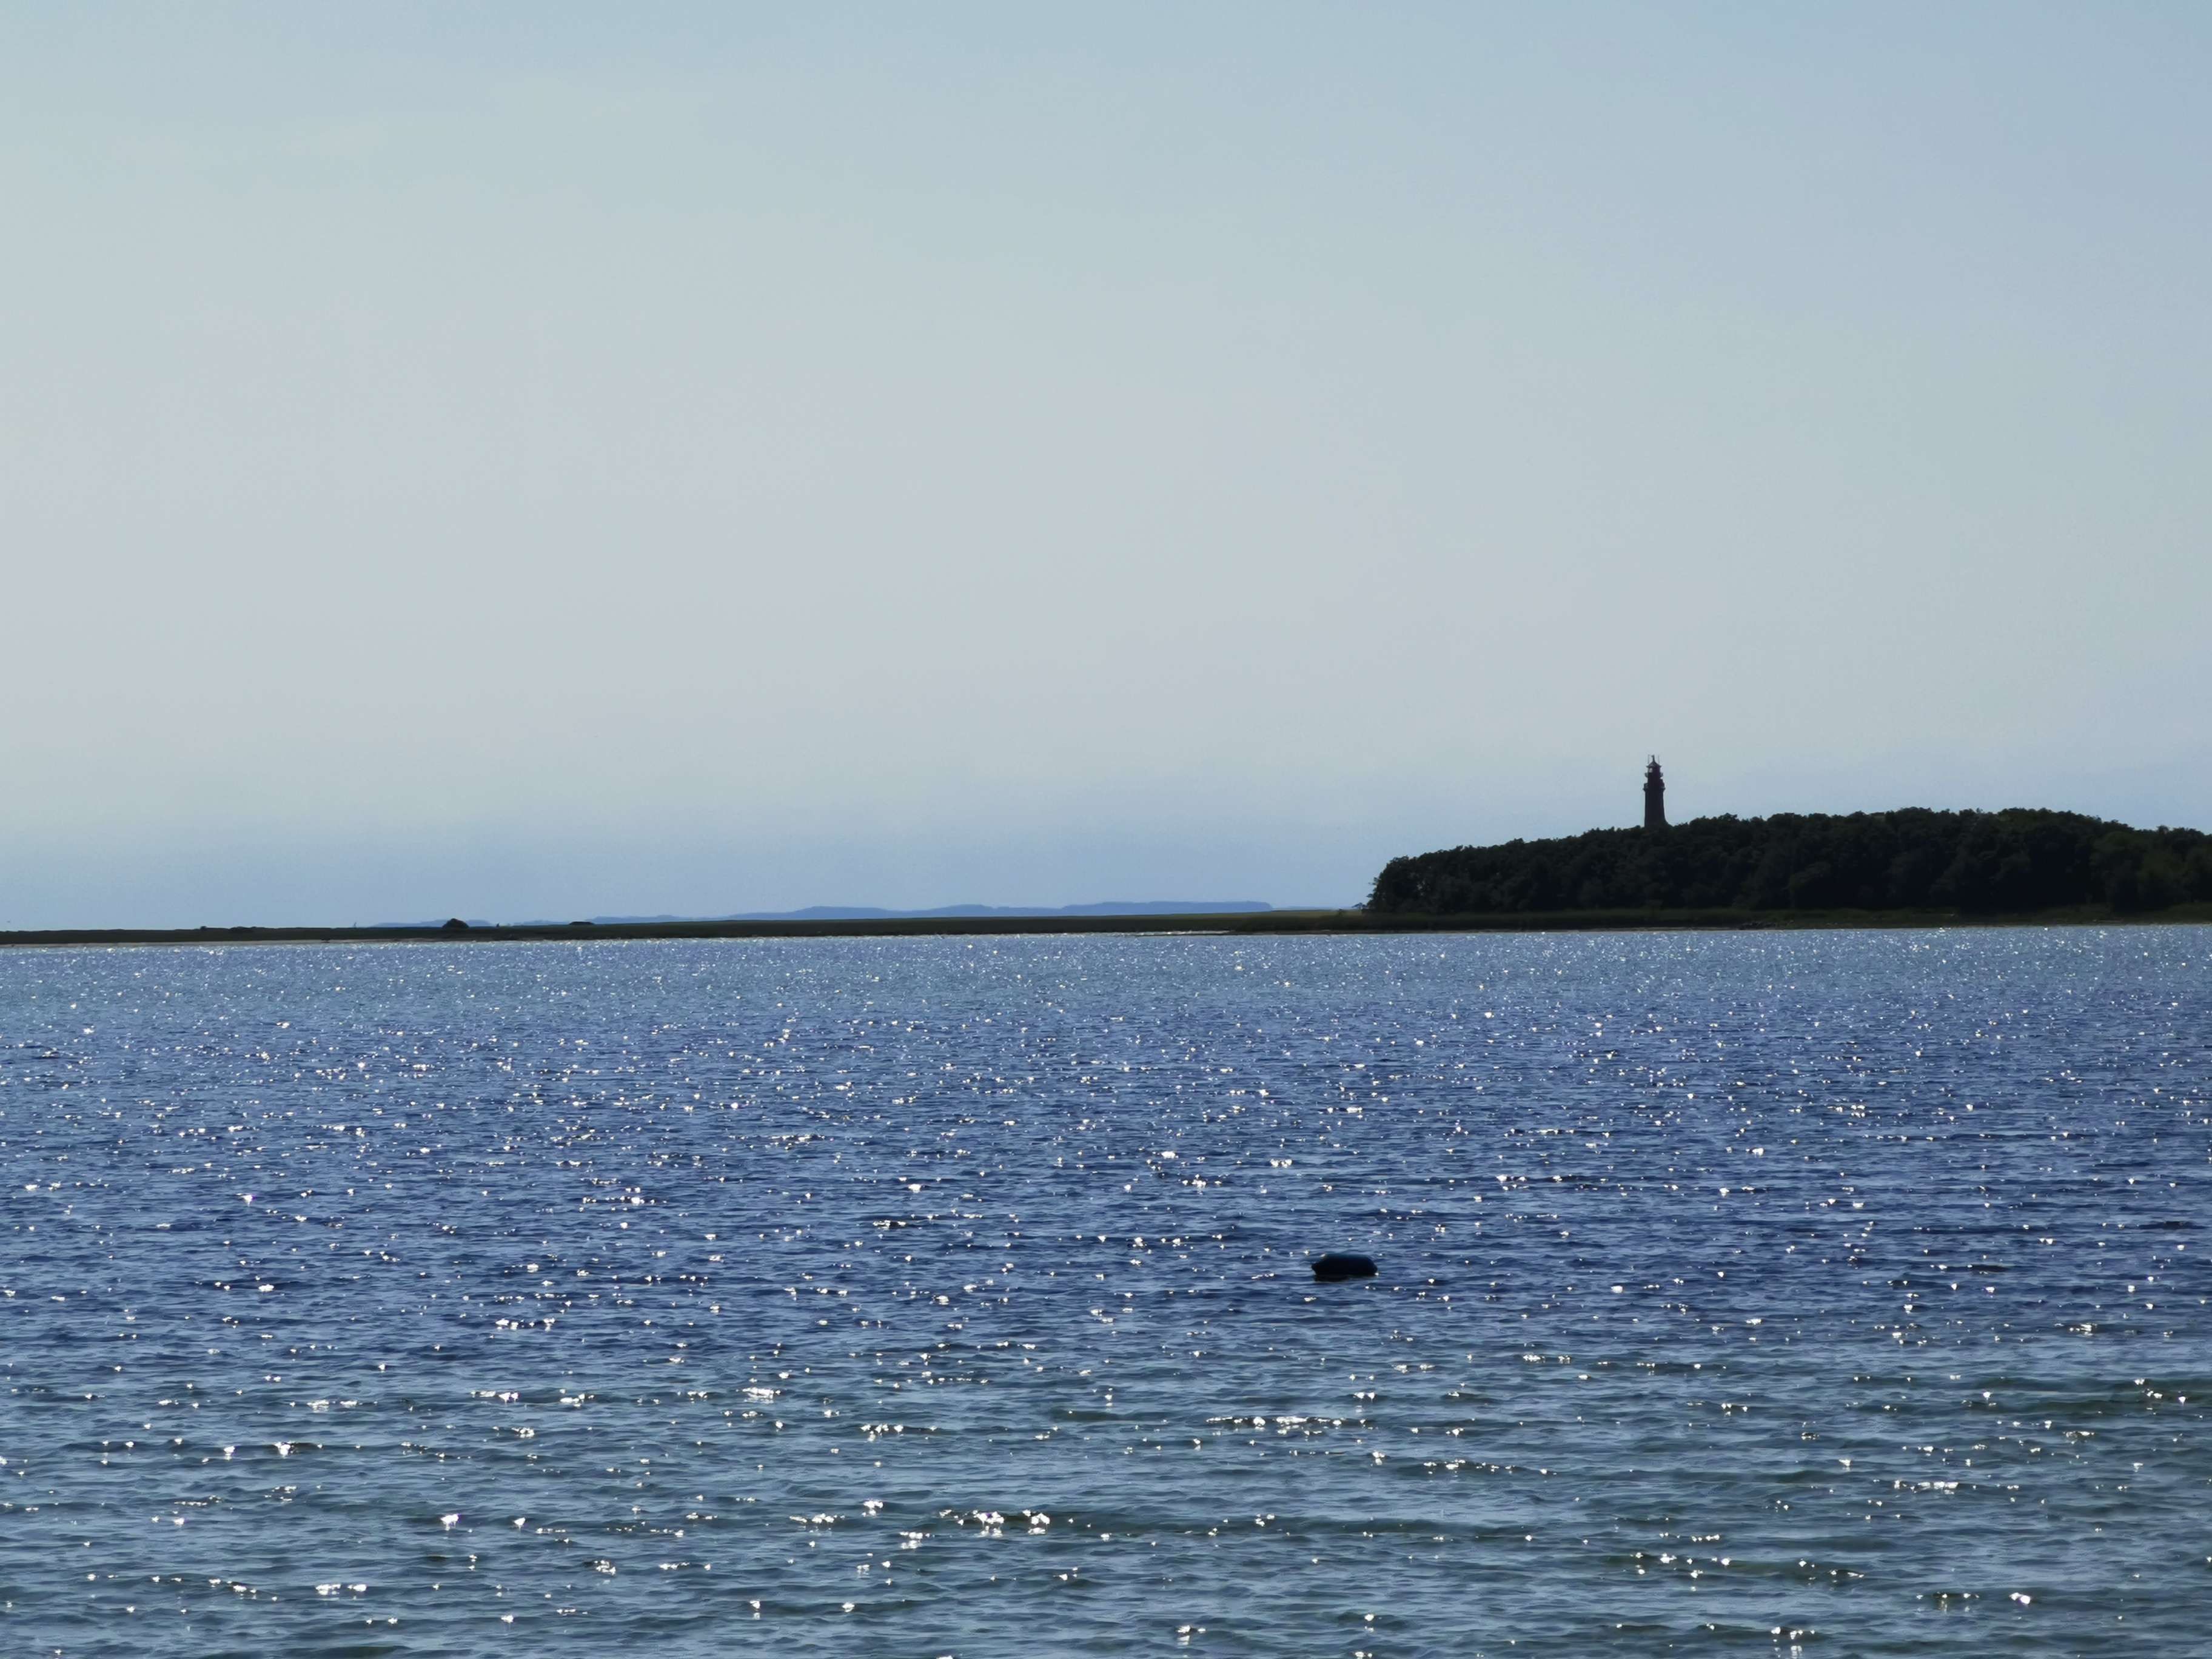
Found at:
<point>1833,1293</point>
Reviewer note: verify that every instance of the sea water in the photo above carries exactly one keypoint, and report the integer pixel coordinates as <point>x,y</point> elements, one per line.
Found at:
<point>1793,1293</point>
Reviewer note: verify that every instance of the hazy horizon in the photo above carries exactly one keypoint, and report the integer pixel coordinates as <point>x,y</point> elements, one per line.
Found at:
<point>561,461</point>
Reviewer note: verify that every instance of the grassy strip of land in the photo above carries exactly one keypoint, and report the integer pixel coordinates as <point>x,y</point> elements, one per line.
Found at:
<point>1241,922</point>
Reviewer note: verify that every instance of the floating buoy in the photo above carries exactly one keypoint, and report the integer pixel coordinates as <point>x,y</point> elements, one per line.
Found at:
<point>1338,1264</point>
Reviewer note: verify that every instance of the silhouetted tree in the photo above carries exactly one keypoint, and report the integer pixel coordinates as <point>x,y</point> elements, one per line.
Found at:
<point>2019,860</point>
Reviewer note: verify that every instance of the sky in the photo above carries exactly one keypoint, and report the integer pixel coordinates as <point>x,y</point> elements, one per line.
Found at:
<point>539,460</point>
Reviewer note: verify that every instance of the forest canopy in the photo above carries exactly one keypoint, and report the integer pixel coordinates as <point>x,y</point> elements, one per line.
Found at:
<point>1985,863</point>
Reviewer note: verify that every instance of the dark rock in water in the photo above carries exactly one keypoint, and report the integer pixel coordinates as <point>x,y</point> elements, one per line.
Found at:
<point>1338,1264</point>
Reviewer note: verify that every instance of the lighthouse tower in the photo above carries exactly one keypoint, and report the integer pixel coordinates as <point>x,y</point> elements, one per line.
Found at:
<point>1655,797</point>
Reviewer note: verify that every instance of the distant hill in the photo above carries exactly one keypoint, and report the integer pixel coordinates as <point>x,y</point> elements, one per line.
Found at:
<point>2014,861</point>
<point>866,913</point>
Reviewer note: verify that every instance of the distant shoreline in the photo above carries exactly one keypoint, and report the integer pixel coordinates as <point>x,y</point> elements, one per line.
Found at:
<point>1234,923</point>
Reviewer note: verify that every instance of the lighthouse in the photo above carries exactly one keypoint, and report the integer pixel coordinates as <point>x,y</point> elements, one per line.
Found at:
<point>1654,796</point>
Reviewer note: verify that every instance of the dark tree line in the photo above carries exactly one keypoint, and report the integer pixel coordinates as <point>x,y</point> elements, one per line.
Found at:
<point>1981,862</point>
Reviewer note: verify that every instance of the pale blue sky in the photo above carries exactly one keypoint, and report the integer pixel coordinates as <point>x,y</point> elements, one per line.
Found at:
<point>531,460</point>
